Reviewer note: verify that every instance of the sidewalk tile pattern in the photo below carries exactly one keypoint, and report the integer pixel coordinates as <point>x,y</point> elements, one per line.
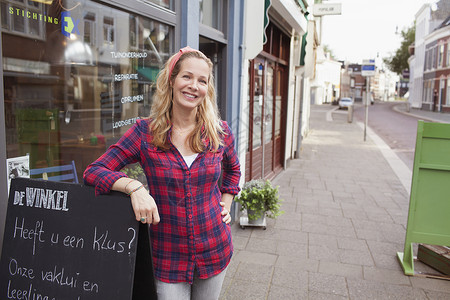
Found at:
<point>345,220</point>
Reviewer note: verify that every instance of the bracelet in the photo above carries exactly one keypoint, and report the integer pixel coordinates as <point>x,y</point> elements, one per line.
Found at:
<point>138,188</point>
<point>128,185</point>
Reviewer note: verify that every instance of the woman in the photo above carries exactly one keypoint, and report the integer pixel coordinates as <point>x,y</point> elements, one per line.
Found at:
<point>182,148</point>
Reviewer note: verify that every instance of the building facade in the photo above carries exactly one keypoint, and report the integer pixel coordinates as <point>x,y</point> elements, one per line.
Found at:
<point>77,74</point>
<point>436,74</point>
<point>271,88</point>
<point>429,58</point>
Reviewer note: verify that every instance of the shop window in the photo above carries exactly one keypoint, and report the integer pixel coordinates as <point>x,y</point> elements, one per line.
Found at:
<point>214,51</point>
<point>68,98</point>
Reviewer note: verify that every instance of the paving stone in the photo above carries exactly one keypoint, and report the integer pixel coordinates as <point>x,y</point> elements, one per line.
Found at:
<point>437,295</point>
<point>261,245</point>
<point>362,258</point>
<point>245,290</point>
<point>431,284</point>
<point>341,269</point>
<point>384,247</point>
<point>363,289</point>
<point>290,278</point>
<point>318,252</point>
<point>239,242</point>
<point>352,244</point>
<point>385,275</point>
<point>255,257</point>
<point>298,264</point>
<point>326,283</point>
<point>282,292</point>
<point>323,240</point>
<point>254,273</point>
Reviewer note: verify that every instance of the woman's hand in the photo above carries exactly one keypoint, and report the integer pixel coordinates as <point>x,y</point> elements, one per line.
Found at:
<point>144,207</point>
<point>225,213</point>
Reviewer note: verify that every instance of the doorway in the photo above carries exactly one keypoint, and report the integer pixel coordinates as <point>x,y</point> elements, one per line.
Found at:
<point>266,102</point>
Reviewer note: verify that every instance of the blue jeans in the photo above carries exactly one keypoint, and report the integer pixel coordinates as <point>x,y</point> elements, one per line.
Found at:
<point>200,289</point>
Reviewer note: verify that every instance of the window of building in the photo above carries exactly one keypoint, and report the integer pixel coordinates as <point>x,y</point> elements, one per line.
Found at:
<point>428,60</point>
<point>427,91</point>
<point>434,60</point>
<point>447,59</point>
<point>68,99</point>
<point>440,56</point>
<point>211,13</point>
<point>447,101</point>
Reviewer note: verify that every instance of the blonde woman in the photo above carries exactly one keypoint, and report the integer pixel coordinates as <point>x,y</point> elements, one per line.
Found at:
<point>183,148</point>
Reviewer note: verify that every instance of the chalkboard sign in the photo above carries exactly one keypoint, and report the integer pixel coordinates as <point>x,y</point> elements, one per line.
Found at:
<point>63,242</point>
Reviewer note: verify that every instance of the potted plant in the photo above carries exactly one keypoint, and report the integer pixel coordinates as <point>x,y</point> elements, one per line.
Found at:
<point>260,199</point>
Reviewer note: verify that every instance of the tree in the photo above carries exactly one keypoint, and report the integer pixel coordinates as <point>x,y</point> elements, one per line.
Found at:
<point>399,61</point>
<point>327,49</point>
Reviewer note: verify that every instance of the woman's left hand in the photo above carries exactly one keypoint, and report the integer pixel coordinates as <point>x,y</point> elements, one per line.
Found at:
<point>225,213</point>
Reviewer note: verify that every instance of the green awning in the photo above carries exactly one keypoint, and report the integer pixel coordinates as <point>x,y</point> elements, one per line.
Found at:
<point>267,4</point>
<point>303,50</point>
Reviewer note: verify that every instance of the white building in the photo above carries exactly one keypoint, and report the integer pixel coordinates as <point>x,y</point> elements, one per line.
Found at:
<point>325,84</point>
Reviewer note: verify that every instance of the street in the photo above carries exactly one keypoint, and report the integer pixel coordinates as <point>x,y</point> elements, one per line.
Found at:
<point>396,129</point>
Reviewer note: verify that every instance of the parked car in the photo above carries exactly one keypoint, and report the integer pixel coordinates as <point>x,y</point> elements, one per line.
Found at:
<point>345,102</point>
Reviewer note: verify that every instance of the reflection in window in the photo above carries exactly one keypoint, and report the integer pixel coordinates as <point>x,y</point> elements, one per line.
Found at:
<point>133,31</point>
<point>24,17</point>
<point>69,99</point>
<point>257,105</point>
<point>163,3</point>
<point>89,28</point>
<point>108,31</point>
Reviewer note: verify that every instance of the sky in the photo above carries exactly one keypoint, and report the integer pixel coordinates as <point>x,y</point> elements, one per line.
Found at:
<point>367,29</point>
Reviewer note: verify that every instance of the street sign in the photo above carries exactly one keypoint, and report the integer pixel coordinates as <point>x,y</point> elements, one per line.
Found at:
<point>368,70</point>
<point>368,67</point>
<point>322,9</point>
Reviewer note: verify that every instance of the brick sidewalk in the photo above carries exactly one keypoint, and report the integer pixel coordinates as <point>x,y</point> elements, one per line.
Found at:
<point>345,220</point>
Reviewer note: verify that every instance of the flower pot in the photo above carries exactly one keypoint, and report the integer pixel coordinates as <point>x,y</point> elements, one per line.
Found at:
<point>260,221</point>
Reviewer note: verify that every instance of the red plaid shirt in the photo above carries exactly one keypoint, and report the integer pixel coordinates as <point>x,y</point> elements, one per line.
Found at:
<point>191,233</point>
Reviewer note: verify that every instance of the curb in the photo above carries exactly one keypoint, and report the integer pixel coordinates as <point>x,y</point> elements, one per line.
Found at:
<point>395,107</point>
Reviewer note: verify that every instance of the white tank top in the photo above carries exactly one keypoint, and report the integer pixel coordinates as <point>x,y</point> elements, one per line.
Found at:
<point>189,159</point>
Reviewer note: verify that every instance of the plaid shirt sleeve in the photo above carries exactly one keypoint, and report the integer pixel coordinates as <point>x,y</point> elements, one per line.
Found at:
<point>230,164</point>
<point>106,169</point>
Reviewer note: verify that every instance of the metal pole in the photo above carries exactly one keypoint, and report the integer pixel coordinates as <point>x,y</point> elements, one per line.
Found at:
<point>367,108</point>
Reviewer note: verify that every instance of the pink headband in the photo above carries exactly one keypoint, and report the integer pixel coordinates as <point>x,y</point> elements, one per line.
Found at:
<point>177,57</point>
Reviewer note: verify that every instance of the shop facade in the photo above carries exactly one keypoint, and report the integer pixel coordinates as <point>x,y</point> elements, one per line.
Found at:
<point>274,92</point>
<point>78,74</point>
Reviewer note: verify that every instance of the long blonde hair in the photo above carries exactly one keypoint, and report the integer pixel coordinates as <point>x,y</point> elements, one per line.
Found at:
<point>208,127</point>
